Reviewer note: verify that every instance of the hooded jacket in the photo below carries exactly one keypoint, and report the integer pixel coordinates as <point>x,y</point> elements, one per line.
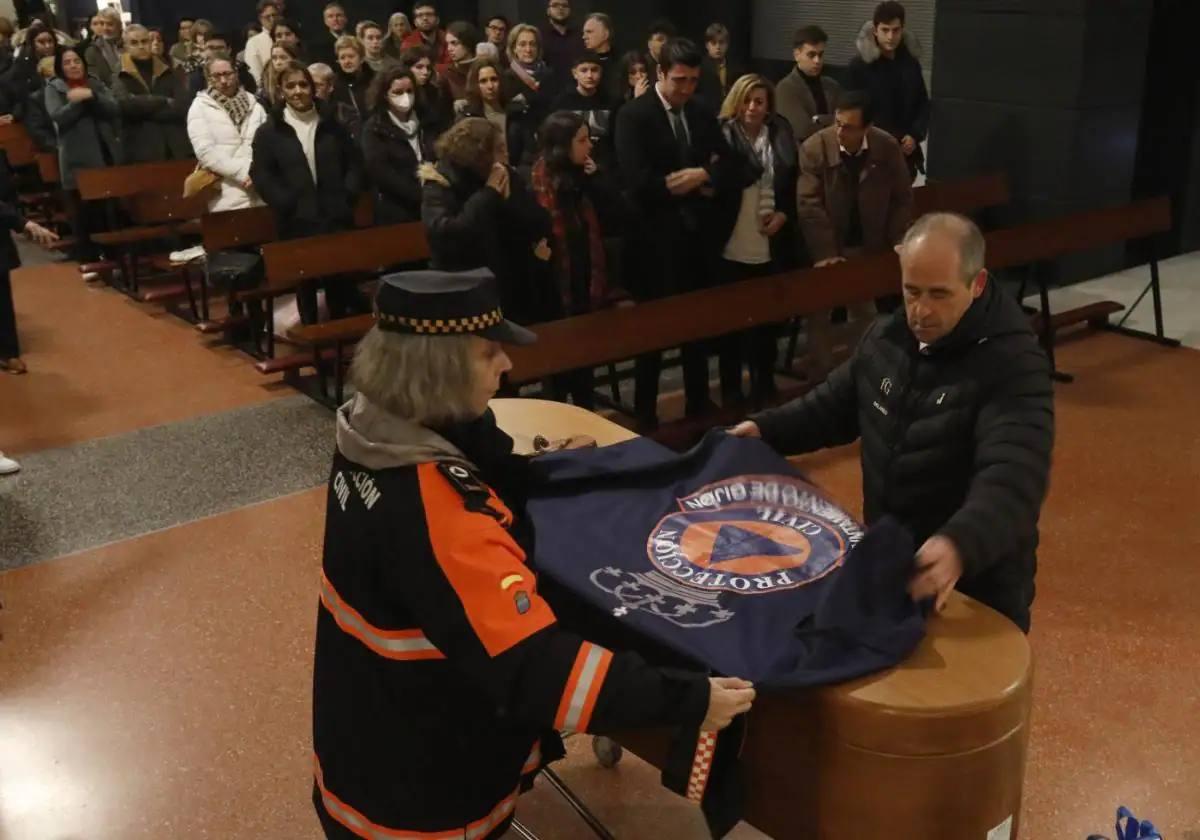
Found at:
<point>441,677</point>
<point>153,115</point>
<point>899,98</point>
<point>956,439</point>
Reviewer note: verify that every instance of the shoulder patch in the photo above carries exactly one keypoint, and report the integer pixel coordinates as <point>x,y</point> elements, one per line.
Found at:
<point>474,492</point>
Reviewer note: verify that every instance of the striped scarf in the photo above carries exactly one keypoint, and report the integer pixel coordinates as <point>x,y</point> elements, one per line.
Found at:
<point>761,147</point>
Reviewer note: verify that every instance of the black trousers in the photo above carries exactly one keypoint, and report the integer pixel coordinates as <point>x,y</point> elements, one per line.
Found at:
<point>341,298</point>
<point>759,347</point>
<point>10,348</point>
<point>692,273</point>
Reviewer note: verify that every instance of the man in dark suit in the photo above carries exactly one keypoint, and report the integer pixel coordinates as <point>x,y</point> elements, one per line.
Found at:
<point>673,158</point>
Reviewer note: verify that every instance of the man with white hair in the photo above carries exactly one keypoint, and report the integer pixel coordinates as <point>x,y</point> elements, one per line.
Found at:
<point>952,399</point>
<point>153,103</point>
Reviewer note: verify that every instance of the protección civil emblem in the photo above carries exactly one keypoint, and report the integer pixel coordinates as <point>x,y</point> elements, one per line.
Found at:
<point>746,536</point>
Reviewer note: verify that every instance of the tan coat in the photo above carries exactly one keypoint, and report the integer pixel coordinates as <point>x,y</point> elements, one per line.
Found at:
<point>826,195</point>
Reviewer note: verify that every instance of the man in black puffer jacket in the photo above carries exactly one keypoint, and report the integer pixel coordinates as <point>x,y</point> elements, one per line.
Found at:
<point>953,401</point>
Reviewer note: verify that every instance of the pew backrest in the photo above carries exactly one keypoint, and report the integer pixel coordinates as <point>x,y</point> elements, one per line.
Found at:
<point>125,181</point>
<point>367,251</point>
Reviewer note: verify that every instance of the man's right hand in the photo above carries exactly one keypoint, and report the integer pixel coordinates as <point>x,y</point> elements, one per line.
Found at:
<point>746,429</point>
<point>728,697</point>
<point>828,262</point>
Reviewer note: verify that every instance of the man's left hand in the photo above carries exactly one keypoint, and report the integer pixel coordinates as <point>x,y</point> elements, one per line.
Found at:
<point>908,144</point>
<point>687,180</point>
<point>939,566</point>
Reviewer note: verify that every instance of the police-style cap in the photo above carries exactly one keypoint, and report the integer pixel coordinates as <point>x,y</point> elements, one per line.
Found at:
<point>446,303</point>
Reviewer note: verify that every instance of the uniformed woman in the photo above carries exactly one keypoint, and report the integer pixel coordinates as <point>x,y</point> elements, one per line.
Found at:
<point>442,677</point>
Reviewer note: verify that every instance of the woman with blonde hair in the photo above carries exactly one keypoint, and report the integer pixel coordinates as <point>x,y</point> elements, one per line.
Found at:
<point>281,55</point>
<point>758,224</point>
<point>528,78</point>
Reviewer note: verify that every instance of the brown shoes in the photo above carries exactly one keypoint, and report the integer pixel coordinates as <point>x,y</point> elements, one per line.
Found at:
<point>13,365</point>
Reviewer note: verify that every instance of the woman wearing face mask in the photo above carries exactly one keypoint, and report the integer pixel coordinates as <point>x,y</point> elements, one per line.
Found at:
<point>395,144</point>
<point>87,118</point>
<point>433,100</point>
<point>306,168</point>
<point>759,224</point>
<point>479,214</point>
<point>398,29</point>
<point>222,121</point>
<point>352,78</point>
<point>281,56</point>
<point>486,99</point>
<point>567,185</point>
<point>528,79</point>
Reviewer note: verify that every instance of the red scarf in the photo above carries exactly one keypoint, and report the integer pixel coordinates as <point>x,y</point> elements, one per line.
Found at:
<point>547,196</point>
<point>77,83</point>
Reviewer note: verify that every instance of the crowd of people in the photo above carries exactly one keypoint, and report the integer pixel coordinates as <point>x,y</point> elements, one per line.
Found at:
<point>582,178</point>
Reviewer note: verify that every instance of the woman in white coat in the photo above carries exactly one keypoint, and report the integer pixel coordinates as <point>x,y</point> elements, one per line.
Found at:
<point>221,124</point>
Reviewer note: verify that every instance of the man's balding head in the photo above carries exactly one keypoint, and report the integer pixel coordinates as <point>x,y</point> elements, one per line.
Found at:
<point>942,266</point>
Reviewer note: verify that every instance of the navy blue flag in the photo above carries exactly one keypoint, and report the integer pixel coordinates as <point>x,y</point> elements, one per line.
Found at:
<point>728,557</point>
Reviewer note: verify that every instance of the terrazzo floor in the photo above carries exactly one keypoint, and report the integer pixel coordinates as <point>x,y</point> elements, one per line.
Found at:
<point>155,683</point>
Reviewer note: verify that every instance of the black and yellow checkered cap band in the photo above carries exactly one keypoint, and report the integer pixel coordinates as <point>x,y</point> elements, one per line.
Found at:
<point>440,326</point>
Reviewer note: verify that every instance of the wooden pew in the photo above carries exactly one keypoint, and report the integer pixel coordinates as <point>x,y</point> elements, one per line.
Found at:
<point>601,337</point>
<point>131,179</point>
<point>289,264</point>
<point>965,196</point>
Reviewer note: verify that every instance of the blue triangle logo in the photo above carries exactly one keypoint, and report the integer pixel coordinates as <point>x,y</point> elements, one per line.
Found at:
<point>733,543</point>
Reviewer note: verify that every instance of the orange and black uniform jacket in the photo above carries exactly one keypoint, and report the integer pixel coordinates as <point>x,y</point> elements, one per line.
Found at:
<point>441,675</point>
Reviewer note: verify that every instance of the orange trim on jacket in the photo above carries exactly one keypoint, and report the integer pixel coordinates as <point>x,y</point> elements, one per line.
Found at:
<point>484,565</point>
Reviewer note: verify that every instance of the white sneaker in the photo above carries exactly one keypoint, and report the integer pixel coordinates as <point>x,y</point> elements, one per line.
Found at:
<point>187,254</point>
<point>8,466</point>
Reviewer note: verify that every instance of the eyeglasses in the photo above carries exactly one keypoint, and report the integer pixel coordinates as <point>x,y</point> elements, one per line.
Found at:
<point>560,5</point>
<point>226,74</point>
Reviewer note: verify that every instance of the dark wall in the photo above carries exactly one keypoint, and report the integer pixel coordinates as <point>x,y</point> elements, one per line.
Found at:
<point>1048,91</point>
<point>632,17</point>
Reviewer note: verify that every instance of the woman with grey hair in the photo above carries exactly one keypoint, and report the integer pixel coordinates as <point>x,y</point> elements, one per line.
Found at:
<point>398,29</point>
<point>433,642</point>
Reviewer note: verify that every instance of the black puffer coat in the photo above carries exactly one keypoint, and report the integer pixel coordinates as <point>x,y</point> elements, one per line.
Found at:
<point>281,176</point>
<point>956,440</point>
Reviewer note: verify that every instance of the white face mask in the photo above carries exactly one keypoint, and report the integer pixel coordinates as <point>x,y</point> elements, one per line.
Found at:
<point>402,102</point>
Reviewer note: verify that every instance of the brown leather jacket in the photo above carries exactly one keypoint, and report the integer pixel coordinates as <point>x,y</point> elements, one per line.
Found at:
<point>826,194</point>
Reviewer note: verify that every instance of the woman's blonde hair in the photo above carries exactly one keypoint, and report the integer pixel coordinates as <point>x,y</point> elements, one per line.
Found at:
<point>349,42</point>
<point>422,378</point>
<point>740,92</point>
<point>516,33</point>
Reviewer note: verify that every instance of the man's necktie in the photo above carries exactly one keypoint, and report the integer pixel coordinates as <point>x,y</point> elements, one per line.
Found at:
<point>681,138</point>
